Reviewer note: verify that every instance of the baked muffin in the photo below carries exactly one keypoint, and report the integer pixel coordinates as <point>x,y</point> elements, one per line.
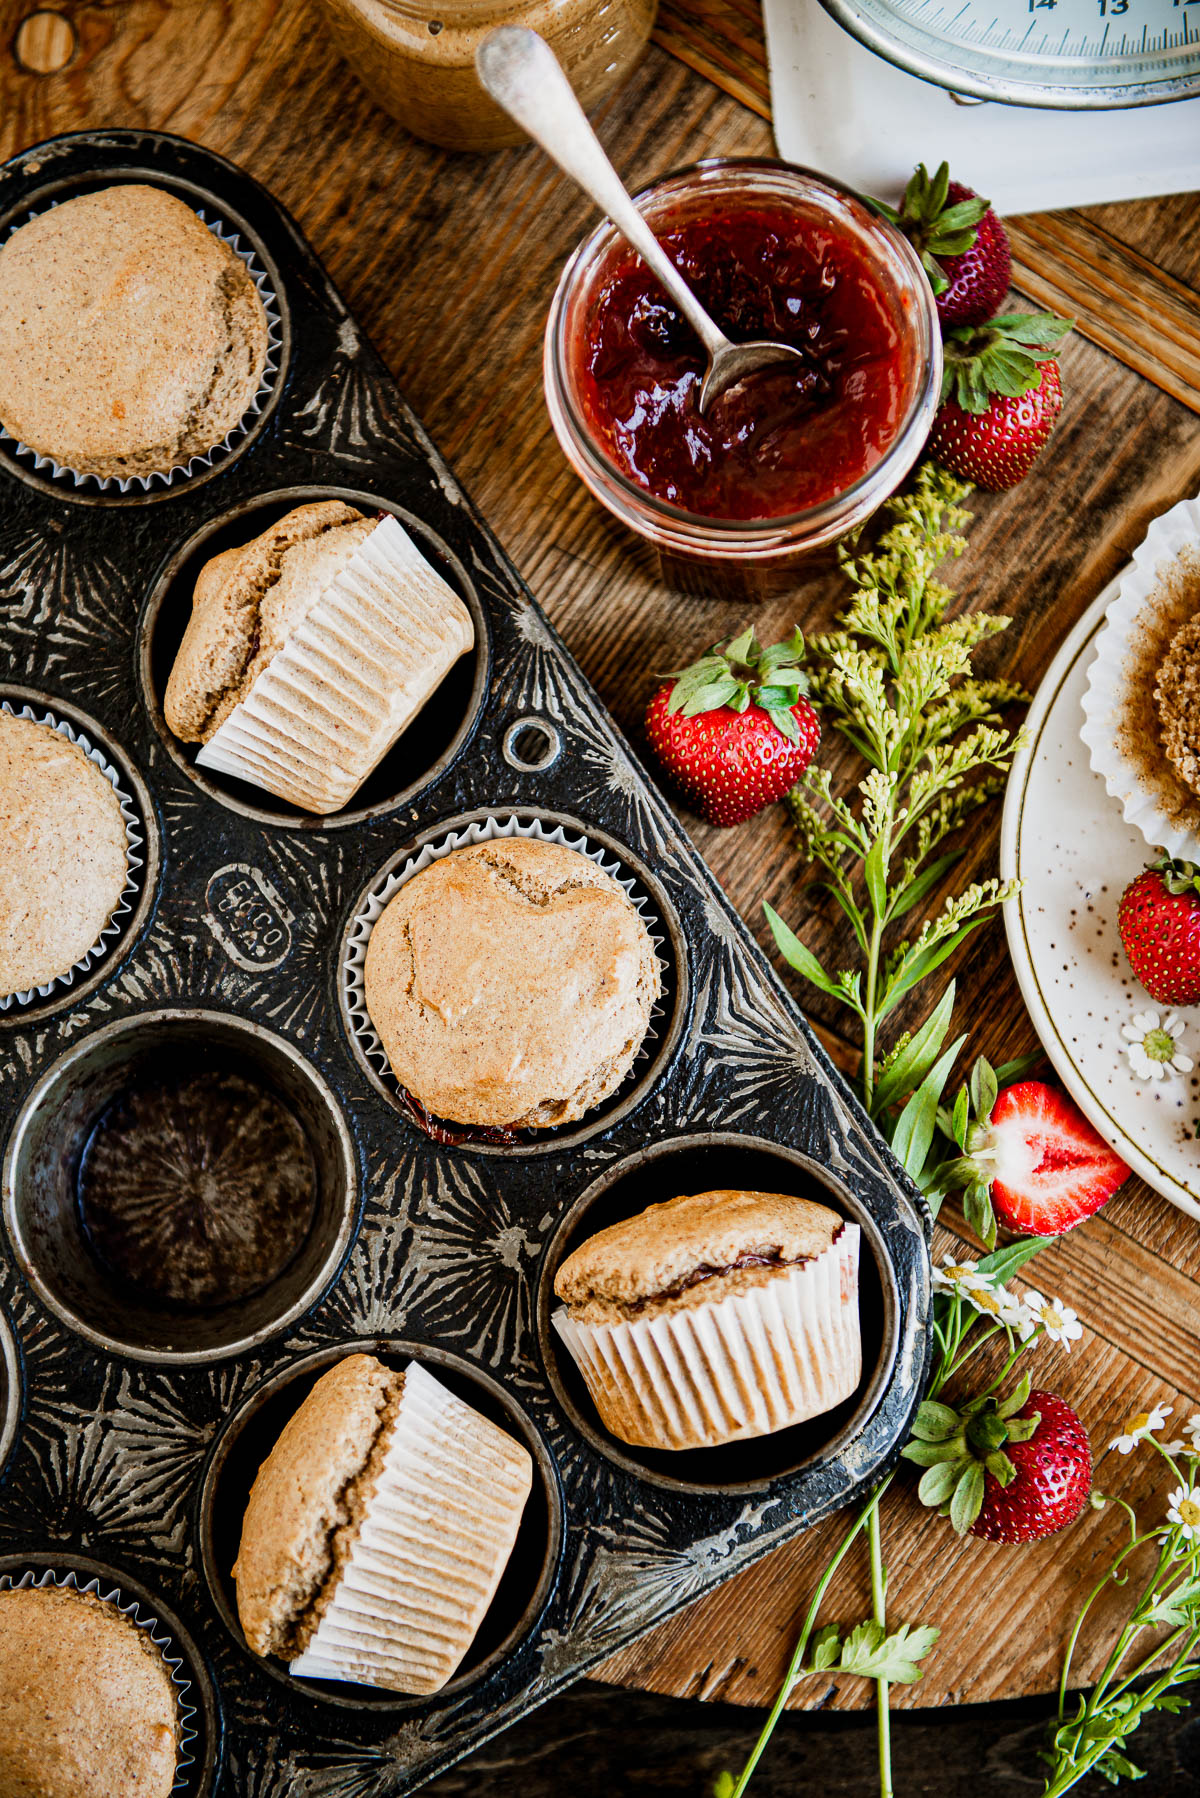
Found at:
<point>63,854</point>
<point>511,984</point>
<point>87,1705</point>
<point>714,1317</point>
<point>131,338</point>
<point>378,1529</point>
<point>310,650</point>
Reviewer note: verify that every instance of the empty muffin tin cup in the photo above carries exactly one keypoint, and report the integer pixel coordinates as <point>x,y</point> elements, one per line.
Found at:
<point>62,474</point>
<point>41,1178</point>
<point>247,1438</point>
<point>710,1163</point>
<point>132,816</point>
<point>195,1712</point>
<point>665,1016</point>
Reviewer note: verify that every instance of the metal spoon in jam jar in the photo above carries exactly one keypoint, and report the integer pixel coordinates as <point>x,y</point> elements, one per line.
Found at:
<point>523,75</point>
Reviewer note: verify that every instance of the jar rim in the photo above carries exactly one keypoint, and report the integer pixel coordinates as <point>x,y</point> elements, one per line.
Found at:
<point>758,532</point>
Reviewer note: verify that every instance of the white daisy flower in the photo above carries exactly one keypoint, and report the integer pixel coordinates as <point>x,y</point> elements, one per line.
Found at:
<point>960,1276</point>
<point>1003,1305</point>
<point>1184,1511</point>
<point>1173,1448</point>
<point>1057,1320</point>
<point>1138,1427</point>
<point>1152,1045</point>
<point>1192,1428</point>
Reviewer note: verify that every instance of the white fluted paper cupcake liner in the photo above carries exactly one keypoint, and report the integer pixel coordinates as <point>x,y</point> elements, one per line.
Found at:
<point>181,472</point>
<point>430,1550</point>
<point>134,856</point>
<point>744,1365</point>
<point>349,680</point>
<point>185,1710</point>
<point>483,830</point>
<point>1107,699</point>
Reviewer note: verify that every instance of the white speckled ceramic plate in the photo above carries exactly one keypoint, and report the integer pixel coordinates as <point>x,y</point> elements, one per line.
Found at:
<point>1067,841</point>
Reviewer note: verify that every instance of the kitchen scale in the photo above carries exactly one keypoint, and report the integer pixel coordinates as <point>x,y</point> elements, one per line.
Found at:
<point>1035,103</point>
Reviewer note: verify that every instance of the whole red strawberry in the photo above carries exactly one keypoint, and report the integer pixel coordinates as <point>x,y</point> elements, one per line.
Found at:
<point>1159,923</point>
<point>1001,394</point>
<point>1030,1159</point>
<point>962,245</point>
<point>1053,1476</point>
<point>734,731</point>
<point>1008,1470</point>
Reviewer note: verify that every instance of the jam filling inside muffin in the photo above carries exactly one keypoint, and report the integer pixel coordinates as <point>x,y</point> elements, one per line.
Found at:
<point>748,1258</point>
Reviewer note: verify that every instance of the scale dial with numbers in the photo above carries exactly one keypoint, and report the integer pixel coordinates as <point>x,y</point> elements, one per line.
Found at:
<point>1056,53</point>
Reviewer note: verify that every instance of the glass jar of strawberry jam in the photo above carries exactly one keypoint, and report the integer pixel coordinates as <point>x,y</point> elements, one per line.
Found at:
<point>794,457</point>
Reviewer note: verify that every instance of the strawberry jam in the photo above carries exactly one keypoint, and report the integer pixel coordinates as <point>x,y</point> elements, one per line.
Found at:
<point>786,439</point>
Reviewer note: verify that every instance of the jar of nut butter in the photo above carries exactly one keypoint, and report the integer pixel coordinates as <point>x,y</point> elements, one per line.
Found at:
<point>417,57</point>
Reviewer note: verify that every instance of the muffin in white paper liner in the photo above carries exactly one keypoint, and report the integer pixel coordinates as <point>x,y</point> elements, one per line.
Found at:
<point>745,1364</point>
<point>1159,592</point>
<point>168,477</point>
<point>483,830</point>
<point>349,680</point>
<point>185,1710</point>
<point>430,1548</point>
<point>134,856</point>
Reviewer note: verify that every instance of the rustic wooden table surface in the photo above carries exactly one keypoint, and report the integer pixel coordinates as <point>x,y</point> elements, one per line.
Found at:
<point>449,262</point>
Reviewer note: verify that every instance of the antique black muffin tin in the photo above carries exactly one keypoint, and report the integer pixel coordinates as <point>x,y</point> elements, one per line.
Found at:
<point>131,1437</point>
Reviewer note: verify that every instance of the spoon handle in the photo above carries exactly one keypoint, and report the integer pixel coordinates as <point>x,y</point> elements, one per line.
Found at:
<point>524,77</point>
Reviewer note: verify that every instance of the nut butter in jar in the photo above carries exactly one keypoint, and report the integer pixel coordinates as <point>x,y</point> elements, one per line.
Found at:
<point>417,57</point>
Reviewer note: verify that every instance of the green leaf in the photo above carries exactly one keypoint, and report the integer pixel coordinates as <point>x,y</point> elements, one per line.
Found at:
<point>932,1454</point>
<point>983,1089</point>
<point>868,1652</point>
<point>906,1071</point>
<point>961,1117</point>
<point>934,1422</point>
<point>743,648</point>
<point>938,1482</point>
<point>1009,1072</point>
<point>826,1648</point>
<point>875,876</point>
<point>795,953</point>
<point>907,897</point>
<point>967,1501</point>
<point>1021,1429</point>
<point>1017,1399</point>
<point>1003,1263</point>
<point>913,1132</point>
<point>708,698</point>
<point>978,1211</point>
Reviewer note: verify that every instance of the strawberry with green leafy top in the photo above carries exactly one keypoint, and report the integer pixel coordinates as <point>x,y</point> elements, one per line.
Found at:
<point>1001,394</point>
<point>962,245</point>
<point>1159,924</point>
<point>1011,1470</point>
<point>734,731</point>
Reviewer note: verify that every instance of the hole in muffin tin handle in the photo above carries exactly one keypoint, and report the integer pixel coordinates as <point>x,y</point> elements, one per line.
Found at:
<point>531,745</point>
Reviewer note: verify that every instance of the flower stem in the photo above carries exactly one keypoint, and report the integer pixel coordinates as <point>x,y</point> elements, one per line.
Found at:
<point>796,1668</point>
<point>879,1611</point>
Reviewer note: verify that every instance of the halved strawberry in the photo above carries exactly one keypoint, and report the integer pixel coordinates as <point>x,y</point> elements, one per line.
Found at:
<point>1049,1168</point>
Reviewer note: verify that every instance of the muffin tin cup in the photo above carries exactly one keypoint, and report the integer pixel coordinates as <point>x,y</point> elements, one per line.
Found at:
<point>160,1629</point>
<point>491,828</point>
<point>40,1195</point>
<point>136,829</point>
<point>517,1601</point>
<point>62,473</point>
<point>1114,706</point>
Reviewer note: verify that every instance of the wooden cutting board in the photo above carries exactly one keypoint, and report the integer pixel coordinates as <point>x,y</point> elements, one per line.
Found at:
<point>450,262</point>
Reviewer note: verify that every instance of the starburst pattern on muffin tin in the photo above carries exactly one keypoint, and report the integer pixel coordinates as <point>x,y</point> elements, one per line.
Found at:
<point>346,415</point>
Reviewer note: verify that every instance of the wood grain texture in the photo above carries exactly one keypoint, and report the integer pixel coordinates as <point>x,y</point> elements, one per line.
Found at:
<point>449,262</point>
